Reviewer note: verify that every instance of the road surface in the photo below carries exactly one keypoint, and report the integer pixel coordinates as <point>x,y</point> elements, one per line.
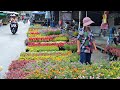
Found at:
<point>11,45</point>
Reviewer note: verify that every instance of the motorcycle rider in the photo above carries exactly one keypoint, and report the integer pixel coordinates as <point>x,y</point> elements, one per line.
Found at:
<point>13,20</point>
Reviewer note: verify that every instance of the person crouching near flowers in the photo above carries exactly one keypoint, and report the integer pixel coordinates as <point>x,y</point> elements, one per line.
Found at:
<point>86,42</point>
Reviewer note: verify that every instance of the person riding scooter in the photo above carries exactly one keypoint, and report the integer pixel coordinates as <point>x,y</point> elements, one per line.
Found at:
<point>13,23</point>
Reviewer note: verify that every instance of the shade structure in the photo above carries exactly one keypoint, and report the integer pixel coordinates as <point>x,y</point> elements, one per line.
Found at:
<point>8,12</point>
<point>37,12</point>
<point>2,14</point>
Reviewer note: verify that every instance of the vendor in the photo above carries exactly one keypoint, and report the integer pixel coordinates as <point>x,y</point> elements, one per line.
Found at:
<point>117,37</point>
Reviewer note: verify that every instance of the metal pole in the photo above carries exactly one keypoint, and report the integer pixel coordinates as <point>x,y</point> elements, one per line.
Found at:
<point>59,15</point>
<point>52,18</point>
<point>86,13</point>
<point>79,19</point>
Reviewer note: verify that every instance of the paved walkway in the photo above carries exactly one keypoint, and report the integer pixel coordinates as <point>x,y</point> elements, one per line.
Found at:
<point>97,55</point>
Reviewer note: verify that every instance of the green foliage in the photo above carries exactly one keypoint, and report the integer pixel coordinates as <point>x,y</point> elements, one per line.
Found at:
<point>42,48</point>
<point>57,32</point>
<point>73,48</point>
<point>61,38</point>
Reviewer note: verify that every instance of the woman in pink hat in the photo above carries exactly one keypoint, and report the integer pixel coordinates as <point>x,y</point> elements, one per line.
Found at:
<point>85,42</point>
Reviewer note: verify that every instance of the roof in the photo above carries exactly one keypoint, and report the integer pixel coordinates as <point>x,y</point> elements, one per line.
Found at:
<point>2,14</point>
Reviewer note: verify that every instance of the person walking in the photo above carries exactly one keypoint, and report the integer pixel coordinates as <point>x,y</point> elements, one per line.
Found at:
<point>86,42</point>
<point>104,25</point>
<point>117,37</point>
<point>111,37</point>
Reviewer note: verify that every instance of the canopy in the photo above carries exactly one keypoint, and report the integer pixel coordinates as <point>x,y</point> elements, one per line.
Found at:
<point>8,12</point>
<point>2,14</point>
<point>36,12</point>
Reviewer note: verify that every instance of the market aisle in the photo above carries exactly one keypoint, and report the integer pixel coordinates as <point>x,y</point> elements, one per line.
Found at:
<point>11,45</point>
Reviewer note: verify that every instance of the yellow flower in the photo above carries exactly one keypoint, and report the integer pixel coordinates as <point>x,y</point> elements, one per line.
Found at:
<point>59,59</point>
<point>75,70</point>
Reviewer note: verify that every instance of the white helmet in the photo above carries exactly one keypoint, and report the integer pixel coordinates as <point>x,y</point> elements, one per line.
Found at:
<point>13,15</point>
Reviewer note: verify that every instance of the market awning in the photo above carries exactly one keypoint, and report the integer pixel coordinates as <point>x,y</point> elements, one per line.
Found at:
<point>8,12</point>
<point>2,14</point>
<point>36,12</point>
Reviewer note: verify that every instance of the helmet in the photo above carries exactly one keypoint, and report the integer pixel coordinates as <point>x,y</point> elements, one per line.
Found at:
<point>13,15</point>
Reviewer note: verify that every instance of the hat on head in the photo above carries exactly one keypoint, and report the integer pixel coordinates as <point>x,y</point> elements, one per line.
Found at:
<point>13,15</point>
<point>87,21</point>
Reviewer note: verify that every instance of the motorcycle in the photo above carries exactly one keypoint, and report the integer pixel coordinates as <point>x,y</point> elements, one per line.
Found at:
<point>14,27</point>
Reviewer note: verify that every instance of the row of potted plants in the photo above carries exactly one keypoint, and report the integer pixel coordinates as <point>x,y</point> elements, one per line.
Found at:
<point>42,48</point>
<point>113,50</point>
<point>59,44</point>
<point>47,38</point>
<point>52,69</point>
<point>45,53</point>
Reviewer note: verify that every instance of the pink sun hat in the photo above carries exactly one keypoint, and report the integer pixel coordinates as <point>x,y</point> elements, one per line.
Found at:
<point>87,21</point>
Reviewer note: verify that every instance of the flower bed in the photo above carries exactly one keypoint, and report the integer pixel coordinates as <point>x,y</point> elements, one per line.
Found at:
<point>73,47</point>
<point>113,50</point>
<point>48,57</point>
<point>41,39</point>
<point>57,32</point>
<point>47,38</point>
<point>44,53</point>
<point>42,48</point>
<point>75,71</point>
<point>51,55</point>
<point>52,69</point>
<point>59,44</point>
<point>61,38</point>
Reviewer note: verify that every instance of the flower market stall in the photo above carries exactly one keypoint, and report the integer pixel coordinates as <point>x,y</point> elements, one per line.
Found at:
<point>52,55</point>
